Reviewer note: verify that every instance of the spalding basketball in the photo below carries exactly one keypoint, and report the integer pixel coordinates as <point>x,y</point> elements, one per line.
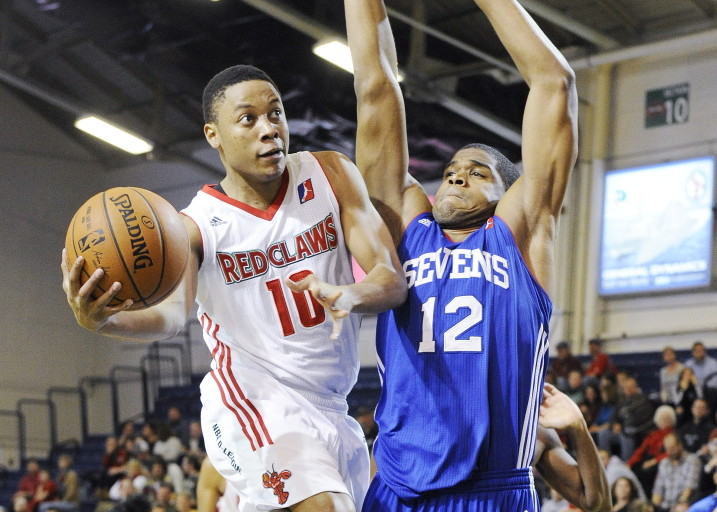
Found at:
<point>136,237</point>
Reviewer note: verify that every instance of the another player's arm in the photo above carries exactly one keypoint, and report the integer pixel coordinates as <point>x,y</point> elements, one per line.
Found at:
<point>381,141</point>
<point>210,487</point>
<point>583,481</point>
<point>549,134</point>
<point>367,238</point>
<point>158,322</point>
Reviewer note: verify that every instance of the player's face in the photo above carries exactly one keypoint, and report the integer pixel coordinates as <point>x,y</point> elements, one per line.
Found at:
<point>470,190</point>
<point>251,132</point>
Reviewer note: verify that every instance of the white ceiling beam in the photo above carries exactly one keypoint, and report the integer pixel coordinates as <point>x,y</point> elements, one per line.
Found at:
<point>447,99</point>
<point>579,29</point>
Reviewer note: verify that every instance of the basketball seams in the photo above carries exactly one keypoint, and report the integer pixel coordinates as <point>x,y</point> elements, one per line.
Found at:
<point>111,229</point>
<point>162,246</point>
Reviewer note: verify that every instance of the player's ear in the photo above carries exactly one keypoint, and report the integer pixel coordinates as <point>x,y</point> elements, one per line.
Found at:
<point>210,133</point>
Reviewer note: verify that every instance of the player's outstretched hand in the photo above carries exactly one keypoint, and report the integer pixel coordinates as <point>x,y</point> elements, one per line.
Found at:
<point>335,299</point>
<point>90,313</point>
<point>558,410</point>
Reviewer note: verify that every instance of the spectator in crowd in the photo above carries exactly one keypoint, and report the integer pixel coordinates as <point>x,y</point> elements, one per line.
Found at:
<point>113,463</point>
<point>127,430</point>
<point>576,387</point>
<point>555,503</point>
<point>178,426</point>
<point>19,503</point>
<point>608,404</point>
<point>68,487</point>
<point>708,457</point>
<point>190,464</point>
<point>563,363</point>
<point>164,497</point>
<point>134,481</point>
<point>591,404</point>
<point>625,497</point>
<point>694,434</point>
<point>157,474</point>
<point>183,502</point>
<point>708,503</point>
<point>600,364</point>
<point>616,468</point>
<point>669,376</point>
<point>196,438</point>
<point>30,480</point>
<point>688,390</point>
<point>647,456</point>
<point>677,476</point>
<point>705,368</point>
<point>136,503</point>
<point>46,490</point>
<point>702,363</point>
<point>631,421</point>
<point>167,445</point>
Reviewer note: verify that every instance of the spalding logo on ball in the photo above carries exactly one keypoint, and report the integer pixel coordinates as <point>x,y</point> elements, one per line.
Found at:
<point>136,237</point>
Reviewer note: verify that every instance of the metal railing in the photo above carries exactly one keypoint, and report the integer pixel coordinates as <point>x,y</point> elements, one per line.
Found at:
<point>149,375</point>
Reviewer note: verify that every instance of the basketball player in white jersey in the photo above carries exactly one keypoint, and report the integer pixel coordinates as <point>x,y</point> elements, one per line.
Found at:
<point>271,274</point>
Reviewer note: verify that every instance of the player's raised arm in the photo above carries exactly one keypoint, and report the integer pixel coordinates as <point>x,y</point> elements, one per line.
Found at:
<point>549,132</point>
<point>161,321</point>
<point>381,142</point>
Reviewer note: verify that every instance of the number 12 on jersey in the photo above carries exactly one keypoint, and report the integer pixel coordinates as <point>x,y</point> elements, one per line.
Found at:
<point>451,340</point>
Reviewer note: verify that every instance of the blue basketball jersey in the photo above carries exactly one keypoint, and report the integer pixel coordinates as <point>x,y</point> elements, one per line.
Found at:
<point>462,361</point>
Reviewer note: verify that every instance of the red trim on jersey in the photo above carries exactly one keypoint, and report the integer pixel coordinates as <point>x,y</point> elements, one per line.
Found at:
<point>266,215</point>
<point>224,378</point>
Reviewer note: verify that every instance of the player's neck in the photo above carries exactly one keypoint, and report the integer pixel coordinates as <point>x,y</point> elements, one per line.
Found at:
<point>257,194</point>
<point>458,235</point>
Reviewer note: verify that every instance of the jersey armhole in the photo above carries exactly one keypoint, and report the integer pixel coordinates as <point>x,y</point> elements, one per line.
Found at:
<point>201,237</point>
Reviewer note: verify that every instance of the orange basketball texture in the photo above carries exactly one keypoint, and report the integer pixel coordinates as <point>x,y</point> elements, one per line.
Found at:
<point>137,237</point>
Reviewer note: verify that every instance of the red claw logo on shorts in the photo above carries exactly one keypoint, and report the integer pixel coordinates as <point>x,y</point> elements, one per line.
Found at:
<point>273,480</point>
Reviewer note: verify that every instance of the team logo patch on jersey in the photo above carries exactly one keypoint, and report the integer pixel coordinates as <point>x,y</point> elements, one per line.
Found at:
<point>489,223</point>
<point>273,480</point>
<point>306,191</point>
<point>216,221</point>
<point>425,222</point>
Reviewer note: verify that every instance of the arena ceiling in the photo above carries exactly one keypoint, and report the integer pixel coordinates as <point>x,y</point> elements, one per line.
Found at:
<point>143,64</point>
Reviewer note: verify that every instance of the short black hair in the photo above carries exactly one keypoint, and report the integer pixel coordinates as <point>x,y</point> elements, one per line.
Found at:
<point>507,170</point>
<point>562,345</point>
<point>214,90</point>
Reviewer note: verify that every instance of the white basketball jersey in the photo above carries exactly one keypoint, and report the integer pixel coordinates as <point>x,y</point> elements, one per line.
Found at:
<point>249,316</point>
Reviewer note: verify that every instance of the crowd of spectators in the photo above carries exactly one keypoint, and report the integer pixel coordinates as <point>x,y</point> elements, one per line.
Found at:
<point>146,467</point>
<point>659,451</point>
<point>659,448</point>
<point>158,460</point>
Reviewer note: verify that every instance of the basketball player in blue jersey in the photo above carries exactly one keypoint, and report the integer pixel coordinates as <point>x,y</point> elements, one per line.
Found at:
<point>269,247</point>
<point>463,360</point>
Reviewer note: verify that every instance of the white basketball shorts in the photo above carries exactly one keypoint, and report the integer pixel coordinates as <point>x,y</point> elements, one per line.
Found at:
<point>277,447</point>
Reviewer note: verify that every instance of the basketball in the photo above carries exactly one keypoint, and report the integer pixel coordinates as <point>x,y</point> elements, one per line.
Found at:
<point>136,237</point>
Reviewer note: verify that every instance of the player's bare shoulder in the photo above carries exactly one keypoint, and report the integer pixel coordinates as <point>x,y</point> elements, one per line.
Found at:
<point>333,163</point>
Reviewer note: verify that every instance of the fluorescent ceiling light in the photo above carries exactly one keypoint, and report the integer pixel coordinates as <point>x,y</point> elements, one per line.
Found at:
<point>114,135</point>
<point>338,54</point>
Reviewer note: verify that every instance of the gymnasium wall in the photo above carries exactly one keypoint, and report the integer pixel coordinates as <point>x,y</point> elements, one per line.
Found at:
<point>614,136</point>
